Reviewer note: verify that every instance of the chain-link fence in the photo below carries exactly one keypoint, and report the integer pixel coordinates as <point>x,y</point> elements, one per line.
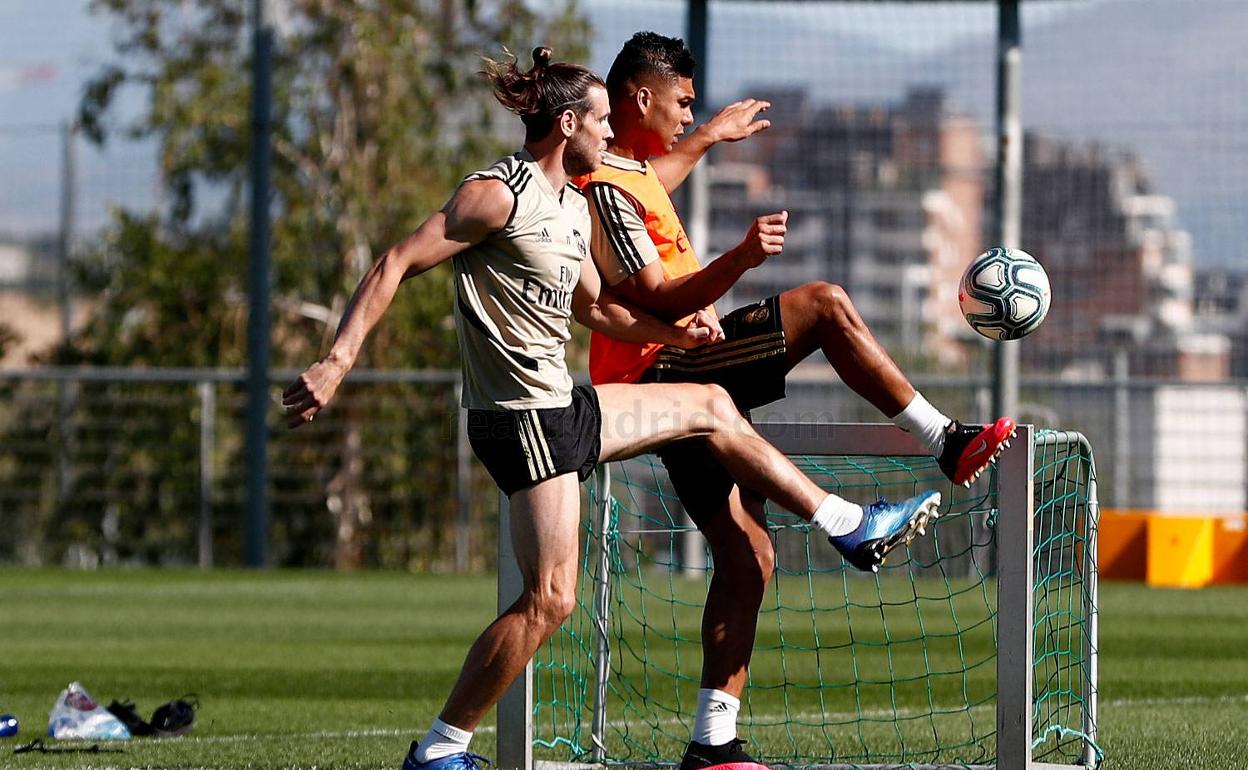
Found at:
<point>132,466</point>
<point>146,467</point>
<point>882,148</point>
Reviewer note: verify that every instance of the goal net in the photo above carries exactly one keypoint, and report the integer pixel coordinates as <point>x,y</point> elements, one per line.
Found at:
<point>974,647</point>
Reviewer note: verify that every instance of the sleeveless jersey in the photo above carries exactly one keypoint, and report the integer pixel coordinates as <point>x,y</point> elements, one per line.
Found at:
<point>635,224</point>
<point>514,293</point>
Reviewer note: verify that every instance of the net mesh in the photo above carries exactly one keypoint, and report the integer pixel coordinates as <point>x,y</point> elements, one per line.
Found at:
<point>1065,588</point>
<point>848,668</point>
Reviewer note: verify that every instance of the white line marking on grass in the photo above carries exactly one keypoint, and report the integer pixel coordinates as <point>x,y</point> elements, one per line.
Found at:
<point>811,717</point>
<point>1191,700</point>
<point>297,736</point>
<point>322,735</point>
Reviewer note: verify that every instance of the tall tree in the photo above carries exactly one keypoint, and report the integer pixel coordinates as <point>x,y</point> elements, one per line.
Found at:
<point>378,111</point>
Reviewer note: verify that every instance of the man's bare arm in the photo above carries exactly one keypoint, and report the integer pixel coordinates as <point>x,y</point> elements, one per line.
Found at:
<point>602,310</point>
<point>673,298</point>
<point>477,209</point>
<point>732,124</point>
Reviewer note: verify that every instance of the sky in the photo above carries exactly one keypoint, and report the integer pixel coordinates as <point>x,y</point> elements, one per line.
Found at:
<point>1164,80</point>
<point>47,50</point>
<point>1100,70</point>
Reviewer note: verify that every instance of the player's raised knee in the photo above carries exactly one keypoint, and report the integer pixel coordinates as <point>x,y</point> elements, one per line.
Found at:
<point>830,298</point>
<point>719,404</point>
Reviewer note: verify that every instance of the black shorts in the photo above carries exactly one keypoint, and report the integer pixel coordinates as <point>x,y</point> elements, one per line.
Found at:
<point>750,365</point>
<point>523,447</point>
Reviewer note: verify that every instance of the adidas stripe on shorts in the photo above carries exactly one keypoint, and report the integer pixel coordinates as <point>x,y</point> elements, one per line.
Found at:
<point>522,447</point>
<point>749,363</point>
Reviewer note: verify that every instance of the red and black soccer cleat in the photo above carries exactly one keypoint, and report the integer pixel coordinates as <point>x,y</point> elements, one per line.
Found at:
<point>969,449</point>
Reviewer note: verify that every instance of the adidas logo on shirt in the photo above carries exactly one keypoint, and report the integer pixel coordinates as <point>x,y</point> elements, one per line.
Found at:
<point>544,237</point>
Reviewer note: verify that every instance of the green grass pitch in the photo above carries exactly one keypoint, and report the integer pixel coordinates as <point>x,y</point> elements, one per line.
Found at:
<point>319,670</point>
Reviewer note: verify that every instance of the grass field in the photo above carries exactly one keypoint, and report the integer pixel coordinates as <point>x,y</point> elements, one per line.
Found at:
<point>311,669</point>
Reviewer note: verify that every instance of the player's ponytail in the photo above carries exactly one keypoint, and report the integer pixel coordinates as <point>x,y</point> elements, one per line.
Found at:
<point>540,95</point>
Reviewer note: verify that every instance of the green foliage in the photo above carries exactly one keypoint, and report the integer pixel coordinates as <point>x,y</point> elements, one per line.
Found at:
<point>166,297</point>
<point>378,111</point>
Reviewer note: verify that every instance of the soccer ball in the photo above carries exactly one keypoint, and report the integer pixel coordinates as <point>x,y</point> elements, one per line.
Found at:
<point>1004,294</point>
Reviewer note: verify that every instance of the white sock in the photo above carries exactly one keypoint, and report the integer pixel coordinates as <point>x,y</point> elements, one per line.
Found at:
<point>716,720</point>
<point>837,516</point>
<point>925,422</point>
<point>442,740</point>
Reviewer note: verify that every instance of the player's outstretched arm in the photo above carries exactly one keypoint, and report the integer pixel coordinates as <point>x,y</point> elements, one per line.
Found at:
<point>732,124</point>
<point>600,309</point>
<point>673,298</point>
<point>477,209</point>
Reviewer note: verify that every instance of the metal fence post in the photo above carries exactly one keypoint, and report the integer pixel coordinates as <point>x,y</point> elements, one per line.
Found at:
<point>1009,194</point>
<point>983,403</point>
<point>259,315</point>
<point>463,520</point>
<point>1122,430</point>
<point>69,210</point>
<point>67,392</point>
<point>207,478</point>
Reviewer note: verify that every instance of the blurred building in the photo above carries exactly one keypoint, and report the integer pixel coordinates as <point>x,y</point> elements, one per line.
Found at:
<point>885,200</point>
<point>1221,300</point>
<point>30,314</point>
<point>889,201</point>
<point>28,267</point>
<point>1120,267</point>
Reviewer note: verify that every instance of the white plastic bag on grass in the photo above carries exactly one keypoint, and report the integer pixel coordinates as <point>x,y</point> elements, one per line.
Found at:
<point>77,715</point>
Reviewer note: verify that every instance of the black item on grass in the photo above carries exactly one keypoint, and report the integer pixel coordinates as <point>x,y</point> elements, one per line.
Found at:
<point>125,713</point>
<point>38,745</point>
<point>177,717</point>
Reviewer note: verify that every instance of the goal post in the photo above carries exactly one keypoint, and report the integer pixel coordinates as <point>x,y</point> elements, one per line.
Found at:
<point>976,649</point>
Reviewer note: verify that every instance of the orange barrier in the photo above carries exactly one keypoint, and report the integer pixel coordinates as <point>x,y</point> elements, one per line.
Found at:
<point>1172,551</point>
<point>1230,551</point>
<point>1180,551</point>
<point>1122,544</point>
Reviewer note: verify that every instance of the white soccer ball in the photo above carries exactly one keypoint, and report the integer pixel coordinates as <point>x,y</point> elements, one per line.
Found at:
<point>1004,294</point>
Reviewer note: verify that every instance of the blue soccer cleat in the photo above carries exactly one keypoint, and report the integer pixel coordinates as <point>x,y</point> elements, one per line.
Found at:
<point>884,526</point>
<point>461,761</point>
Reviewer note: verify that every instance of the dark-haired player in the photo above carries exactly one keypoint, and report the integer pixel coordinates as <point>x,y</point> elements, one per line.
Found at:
<point>642,251</point>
